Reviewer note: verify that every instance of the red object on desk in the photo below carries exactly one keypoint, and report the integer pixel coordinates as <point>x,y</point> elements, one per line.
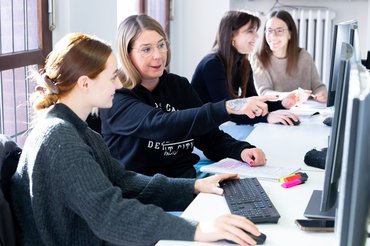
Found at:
<point>291,178</point>
<point>300,175</point>
<point>292,183</point>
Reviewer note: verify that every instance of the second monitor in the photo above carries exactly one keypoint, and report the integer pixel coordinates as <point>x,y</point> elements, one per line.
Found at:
<point>322,204</point>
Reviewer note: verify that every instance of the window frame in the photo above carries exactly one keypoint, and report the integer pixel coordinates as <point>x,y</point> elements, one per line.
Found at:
<point>31,57</point>
<point>13,61</point>
<point>142,6</point>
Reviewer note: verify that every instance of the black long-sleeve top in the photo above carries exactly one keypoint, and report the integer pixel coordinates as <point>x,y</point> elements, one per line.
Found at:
<point>209,81</point>
<point>155,131</point>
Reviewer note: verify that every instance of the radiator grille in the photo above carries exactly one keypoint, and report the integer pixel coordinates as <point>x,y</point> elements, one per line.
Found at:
<point>315,34</point>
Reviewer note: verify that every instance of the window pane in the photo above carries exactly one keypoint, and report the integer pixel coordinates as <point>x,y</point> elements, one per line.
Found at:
<point>23,27</point>
<point>21,96</point>
<point>19,26</point>
<point>155,8</point>
<point>8,102</point>
<point>15,87</point>
<point>6,22</point>
<point>32,25</point>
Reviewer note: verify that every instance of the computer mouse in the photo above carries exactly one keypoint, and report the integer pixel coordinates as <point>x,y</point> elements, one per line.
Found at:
<point>296,123</point>
<point>316,113</point>
<point>259,239</point>
<point>328,121</point>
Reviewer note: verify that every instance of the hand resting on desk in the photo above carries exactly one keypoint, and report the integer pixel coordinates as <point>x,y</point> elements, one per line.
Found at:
<point>321,96</point>
<point>253,157</point>
<point>211,183</point>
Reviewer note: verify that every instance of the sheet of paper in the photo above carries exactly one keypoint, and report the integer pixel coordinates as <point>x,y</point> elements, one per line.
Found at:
<point>243,169</point>
<point>310,108</point>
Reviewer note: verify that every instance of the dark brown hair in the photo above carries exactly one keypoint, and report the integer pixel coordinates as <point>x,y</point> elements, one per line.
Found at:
<point>293,50</point>
<point>231,22</point>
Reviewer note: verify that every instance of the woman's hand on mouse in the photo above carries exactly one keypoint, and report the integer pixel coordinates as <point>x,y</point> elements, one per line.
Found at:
<point>230,227</point>
<point>284,117</point>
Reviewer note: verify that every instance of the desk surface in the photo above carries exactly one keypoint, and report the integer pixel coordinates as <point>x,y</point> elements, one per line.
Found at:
<point>290,203</point>
<point>287,145</point>
<point>283,145</point>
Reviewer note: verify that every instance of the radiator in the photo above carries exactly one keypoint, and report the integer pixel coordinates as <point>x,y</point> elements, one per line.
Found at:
<point>315,35</point>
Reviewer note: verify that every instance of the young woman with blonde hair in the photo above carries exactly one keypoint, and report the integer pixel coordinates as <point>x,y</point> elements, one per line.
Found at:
<point>68,190</point>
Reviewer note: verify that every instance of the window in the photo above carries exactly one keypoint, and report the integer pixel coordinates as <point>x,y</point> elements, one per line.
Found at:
<point>25,41</point>
<point>159,10</point>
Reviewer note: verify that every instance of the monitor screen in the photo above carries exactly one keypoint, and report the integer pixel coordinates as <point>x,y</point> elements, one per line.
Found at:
<point>343,32</point>
<point>354,198</point>
<point>323,203</point>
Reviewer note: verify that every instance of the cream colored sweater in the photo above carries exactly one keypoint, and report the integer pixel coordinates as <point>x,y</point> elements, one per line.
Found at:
<point>276,79</point>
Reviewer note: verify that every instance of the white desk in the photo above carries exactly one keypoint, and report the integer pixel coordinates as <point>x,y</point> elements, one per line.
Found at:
<point>287,145</point>
<point>283,145</point>
<point>290,203</point>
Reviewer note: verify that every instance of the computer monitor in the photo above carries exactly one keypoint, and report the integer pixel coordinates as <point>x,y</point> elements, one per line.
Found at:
<point>343,32</point>
<point>322,204</point>
<point>354,198</point>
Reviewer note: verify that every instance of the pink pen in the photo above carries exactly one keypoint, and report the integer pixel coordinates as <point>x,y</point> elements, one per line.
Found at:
<point>292,183</point>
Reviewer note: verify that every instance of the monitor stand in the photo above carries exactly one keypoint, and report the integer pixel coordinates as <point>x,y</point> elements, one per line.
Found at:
<point>313,208</point>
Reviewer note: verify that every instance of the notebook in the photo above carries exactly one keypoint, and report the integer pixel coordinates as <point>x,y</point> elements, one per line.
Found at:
<point>267,172</point>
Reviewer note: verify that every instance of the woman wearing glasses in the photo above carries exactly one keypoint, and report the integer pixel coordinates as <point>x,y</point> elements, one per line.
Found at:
<point>226,72</point>
<point>157,118</point>
<point>68,190</point>
<point>283,67</point>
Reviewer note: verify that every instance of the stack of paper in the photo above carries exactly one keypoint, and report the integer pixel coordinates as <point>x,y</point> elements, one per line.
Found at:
<point>244,170</point>
<point>310,107</point>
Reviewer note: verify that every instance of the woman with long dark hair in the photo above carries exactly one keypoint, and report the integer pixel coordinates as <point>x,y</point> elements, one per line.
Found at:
<point>226,72</point>
<point>281,66</point>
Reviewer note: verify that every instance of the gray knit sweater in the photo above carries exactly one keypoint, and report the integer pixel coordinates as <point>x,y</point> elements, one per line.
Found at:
<point>69,191</point>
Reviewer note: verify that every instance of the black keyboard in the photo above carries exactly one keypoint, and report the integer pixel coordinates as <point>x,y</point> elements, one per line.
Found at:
<point>246,197</point>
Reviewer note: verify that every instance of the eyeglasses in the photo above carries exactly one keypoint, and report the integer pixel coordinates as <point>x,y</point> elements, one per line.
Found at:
<point>147,50</point>
<point>277,31</point>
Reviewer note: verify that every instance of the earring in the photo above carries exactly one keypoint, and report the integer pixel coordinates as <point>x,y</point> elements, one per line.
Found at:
<point>233,43</point>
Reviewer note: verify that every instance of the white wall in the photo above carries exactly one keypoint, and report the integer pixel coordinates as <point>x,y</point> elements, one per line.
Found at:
<point>94,17</point>
<point>195,24</point>
<point>193,31</point>
<point>344,10</point>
